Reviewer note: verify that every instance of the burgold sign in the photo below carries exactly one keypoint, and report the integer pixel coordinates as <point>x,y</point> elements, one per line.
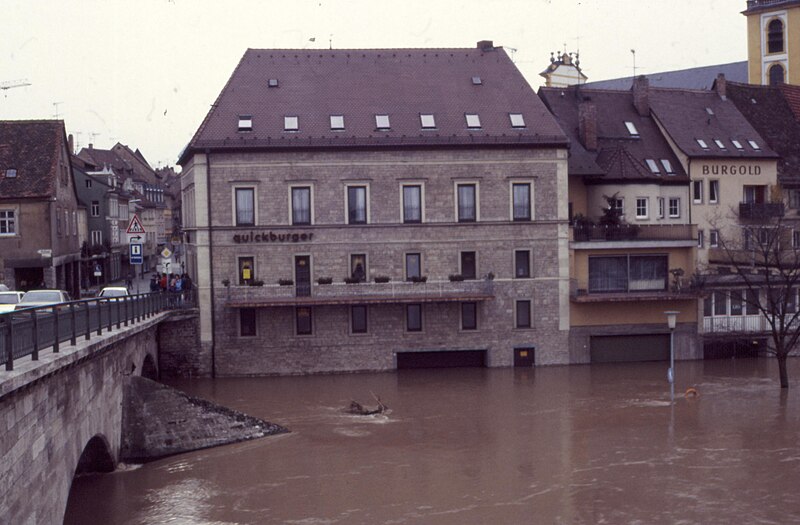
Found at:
<point>731,169</point>
<point>254,237</point>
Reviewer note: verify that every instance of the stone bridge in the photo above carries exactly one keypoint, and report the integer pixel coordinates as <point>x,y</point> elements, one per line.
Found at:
<point>63,414</point>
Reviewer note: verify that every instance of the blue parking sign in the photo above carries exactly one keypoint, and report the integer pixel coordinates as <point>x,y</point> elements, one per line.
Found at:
<point>136,253</point>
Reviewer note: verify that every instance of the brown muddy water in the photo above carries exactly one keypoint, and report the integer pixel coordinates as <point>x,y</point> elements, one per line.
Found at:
<point>583,444</point>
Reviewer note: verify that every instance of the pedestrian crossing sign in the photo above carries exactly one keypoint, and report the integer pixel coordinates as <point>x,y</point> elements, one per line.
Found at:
<point>135,226</point>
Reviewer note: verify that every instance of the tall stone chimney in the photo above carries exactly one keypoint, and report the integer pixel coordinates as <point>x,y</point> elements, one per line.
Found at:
<point>641,95</point>
<point>721,86</point>
<point>587,124</point>
<point>71,143</point>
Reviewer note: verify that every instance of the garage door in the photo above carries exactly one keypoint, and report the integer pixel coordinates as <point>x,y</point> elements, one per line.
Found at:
<point>444,359</point>
<point>626,348</point>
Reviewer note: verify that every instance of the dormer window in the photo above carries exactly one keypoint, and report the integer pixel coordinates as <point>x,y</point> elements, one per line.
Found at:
<point>11,173</point>
<point>632,129</point>
<point>754,145</point>
<point>245,122</point>
<point>382,122</point>
<point>517,121</point>
<point>737,144</point>
<point>427,121</point>
<point>702,143</point>
<point>720,144</point>
<point>291,123</point>
<point>775,36</point>
<point>337,122</point>
<point>473,121</point>
<point>653,166</point>
<point>667,166</point>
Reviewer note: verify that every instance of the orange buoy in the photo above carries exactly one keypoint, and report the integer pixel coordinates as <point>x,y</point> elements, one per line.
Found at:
<point>691,392</point>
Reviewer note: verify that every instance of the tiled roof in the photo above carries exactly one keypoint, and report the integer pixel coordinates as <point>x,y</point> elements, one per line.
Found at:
<point>105,157</point>
<point>691,78</point>
<point>33,148</point>
<point>685,116</point>
<point>360,84</point>
<point>756,6</point>
<point>620,156</point>
<point>792,95</point>
<point>768,110</point>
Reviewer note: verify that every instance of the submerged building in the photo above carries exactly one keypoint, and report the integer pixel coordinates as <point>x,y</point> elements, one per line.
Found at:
<point>375,209</point>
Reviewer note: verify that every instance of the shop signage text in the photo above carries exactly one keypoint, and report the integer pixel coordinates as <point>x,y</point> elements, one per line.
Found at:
<point>253,237</point>
<point>731,169</point>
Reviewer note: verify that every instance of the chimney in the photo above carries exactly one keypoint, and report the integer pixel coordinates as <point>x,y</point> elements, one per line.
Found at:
<point>641,95</point>
<point>587,124</point>
<point>721,87</point>
<point>91,146</point>
<point>486,45</point>
<point>71,143</point>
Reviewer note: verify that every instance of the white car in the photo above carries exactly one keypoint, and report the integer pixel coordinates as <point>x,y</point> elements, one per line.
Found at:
<point>42,298</point>
<point>113,291</point>
<point>9,301</point>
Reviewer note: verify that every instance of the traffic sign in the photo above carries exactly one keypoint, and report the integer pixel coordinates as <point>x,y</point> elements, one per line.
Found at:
<point>166,253</point>
<point>136,253</point>
<point>135,226</point>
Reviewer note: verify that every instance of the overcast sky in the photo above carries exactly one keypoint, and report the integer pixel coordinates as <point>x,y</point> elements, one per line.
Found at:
<point>144,72</point>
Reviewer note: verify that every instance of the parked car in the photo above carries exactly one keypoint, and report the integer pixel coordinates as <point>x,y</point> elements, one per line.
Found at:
<point>113,291</point>
<point>42,298</point>
<point>9,300</point>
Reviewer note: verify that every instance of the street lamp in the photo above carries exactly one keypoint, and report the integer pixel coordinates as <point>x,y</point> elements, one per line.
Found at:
<point>672,319</point>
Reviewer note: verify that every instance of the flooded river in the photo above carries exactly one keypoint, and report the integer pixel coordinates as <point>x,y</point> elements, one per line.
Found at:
<point>563,445</point>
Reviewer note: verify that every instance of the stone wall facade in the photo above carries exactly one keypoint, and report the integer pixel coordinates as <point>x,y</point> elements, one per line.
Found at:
<point>179,351</point>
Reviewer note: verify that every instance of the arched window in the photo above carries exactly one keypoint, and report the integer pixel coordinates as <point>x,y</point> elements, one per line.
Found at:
<point>775,36</point>
<point>776,75</point>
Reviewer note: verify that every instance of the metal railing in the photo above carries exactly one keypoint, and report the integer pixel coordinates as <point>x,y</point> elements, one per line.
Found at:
<point>752,4</point>
<point>27,331</point>
<point>634,232</point>
<point>761,210</point>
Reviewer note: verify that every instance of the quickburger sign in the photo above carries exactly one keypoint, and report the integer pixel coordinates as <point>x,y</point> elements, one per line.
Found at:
<point>262,237</point>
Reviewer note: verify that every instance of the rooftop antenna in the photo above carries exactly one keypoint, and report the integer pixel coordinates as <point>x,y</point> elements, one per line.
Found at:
<point>10,84</point>
<point>55,105</point>
<point>513,50</point>
<point>330,41</point>
<point>633,53</point>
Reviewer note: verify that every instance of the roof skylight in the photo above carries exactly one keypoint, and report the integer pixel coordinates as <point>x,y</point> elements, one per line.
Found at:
<point>720,144</point>
<point>709,111</point>
<point>245,122</point>
<point>631,129</point>
<point>11,173</point>
<point>737,144</point>
<point>337,122</point>
<point>517,120</point>
<point>667,166</point>
<point>272,82</point>
<point>476,81</point>
<point>427,121</point>
<point>473,120</point>
<point>653,166</point>
<point>702,143</point>
<point>382,122</point>
<point>291,123</point>
<point>753,144</point>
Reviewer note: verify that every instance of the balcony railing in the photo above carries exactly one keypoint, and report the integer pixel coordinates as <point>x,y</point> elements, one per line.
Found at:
<point>365,292</point>
<point>635,232</point>
<point>754,4</point>
<point>633,290</point>
<point>761,210</point>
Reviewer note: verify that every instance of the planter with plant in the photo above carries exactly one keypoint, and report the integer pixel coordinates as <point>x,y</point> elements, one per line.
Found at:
<point>285,282</point>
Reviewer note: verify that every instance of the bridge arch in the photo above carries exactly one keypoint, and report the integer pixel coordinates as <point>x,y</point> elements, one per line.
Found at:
<point>149,369</point>
<point>96,456</point>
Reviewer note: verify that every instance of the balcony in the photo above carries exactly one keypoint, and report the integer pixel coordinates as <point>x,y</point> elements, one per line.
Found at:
<point>760,210</point>
<point>359,293</point>
<point>632,291</point>
<point>685,233</point>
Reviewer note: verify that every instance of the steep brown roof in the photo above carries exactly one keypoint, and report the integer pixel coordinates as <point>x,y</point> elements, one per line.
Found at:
<point>685,116</point>
<point>33,148</point>
<point>792,95</point>
<point>359,84</point>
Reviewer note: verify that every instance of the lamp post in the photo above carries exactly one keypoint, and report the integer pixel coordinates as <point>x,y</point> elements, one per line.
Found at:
<point>672,319</point>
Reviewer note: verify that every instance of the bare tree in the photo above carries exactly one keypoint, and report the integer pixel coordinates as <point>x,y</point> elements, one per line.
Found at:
<point>766,261</point>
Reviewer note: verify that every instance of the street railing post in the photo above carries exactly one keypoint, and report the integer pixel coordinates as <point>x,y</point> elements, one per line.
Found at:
<point>9,342</point>
<point>56,331</point>
<point>88,334</point>
<point>119,312</point>
<point>99,317</point>
<point>35,321</point>
<point>74,325</point>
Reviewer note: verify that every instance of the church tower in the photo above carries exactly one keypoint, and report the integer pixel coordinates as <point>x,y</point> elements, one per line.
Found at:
<point>565,70</point>
<point>773,41</point>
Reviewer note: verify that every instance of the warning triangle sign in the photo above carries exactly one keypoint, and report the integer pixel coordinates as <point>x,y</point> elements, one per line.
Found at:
<point>135,226</point>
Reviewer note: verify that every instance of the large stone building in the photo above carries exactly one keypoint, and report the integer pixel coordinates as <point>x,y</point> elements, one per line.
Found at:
<point>437,170</point>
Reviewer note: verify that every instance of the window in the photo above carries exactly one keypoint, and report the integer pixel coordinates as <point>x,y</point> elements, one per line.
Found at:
<point>413,266</point>
<point>627,273</point>
<point>11,173</point>
<point>754,145</point>
<point>468,265</point>
<point>8,222</point>
<point>427,121</point>
<point>642,205</point>
<point>737,144</point>
<point>697,191</point>
<point>95,208</point>
<point>88,183</point>
<point>245,123</point>
<point>517,120</point>
<point>653,166</point>
<point>736,302</point>
<point>337,122</point>
<point>702,143</point>
<point>469,316</point>
<point>414,317</point>
<point>301,205</point>
<point>522,264</point>
<point>660,201</point>
<point>473,121</point>
<point>618,204</point>
<point>752,302</point>
<point>709,111</point>
<point>245,206</point>
<point>794,199</point>
<point>720,144</point>
<point>467,206</point>
<point>246,270</point>
<point>291,123</point>
<point>476,81</point>
<point>382,122</point>
<point>272,82</point>
<point>720,303</point>
<point>795,239</point>
<point>713,238</point>
<point>674,207</point>
<point>713,191</point>
<point>358,319</point>
<point>97,237</point>
<point>523,311</point>
<point>701,239</point>
<point>303,320</point>
<point>521,201</point>
<point>777,75</point>
<point>356,205</point>
<point>412,203</point>
<point>667,166</point>
<point>247,322</point>
<point>775,36</point>
<point>358,266</point>
<point>632,129</point>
